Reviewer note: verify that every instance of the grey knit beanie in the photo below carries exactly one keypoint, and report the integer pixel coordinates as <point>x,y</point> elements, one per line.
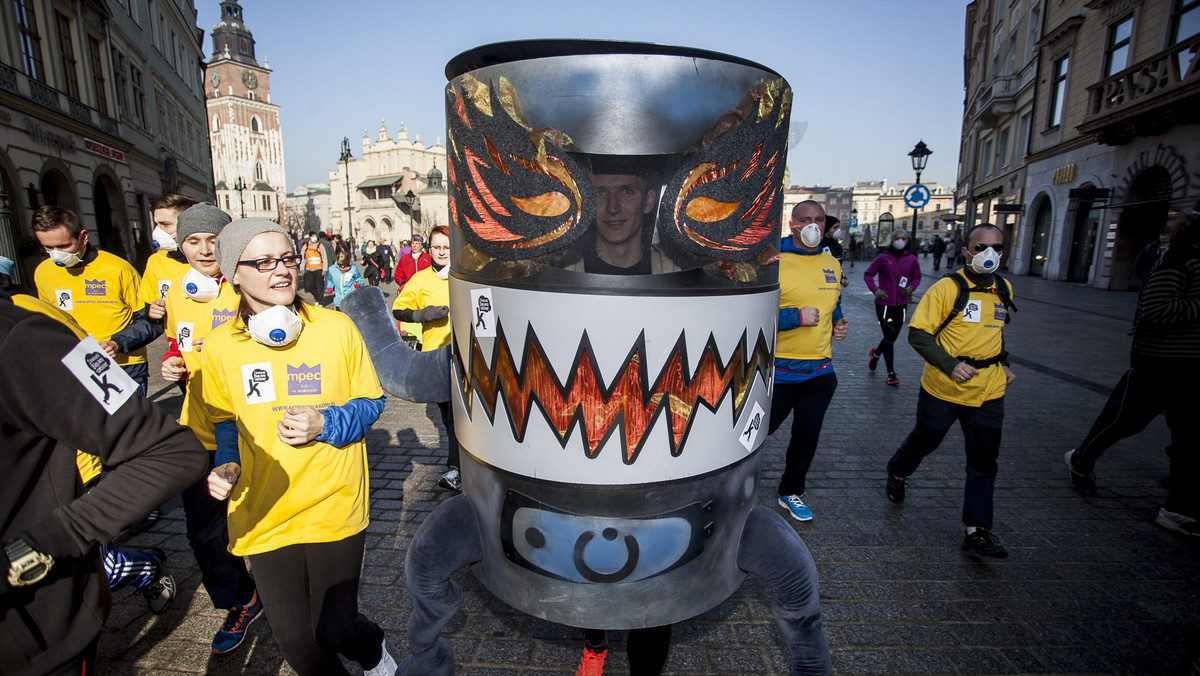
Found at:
<point>236,236</point>
<point>200,217</point>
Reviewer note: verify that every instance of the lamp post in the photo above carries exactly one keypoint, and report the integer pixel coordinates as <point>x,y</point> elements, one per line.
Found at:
<point>853,227</point>
<point>345,160</point>
<point>240,186</point>
<point>920,156</point>
<point>411,200</point>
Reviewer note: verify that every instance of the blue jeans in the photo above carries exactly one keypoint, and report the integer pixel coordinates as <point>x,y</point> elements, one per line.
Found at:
<point>981,432</point>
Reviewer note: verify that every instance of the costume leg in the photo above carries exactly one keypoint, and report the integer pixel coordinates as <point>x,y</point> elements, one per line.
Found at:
<point>981,431</point>
<point>934,418</point>
<point>772,550</point>
<point>1134,402</point>
<point>224,575</point>
<point>810,400</point>
<point>648,649</point>
<point>445,543</point>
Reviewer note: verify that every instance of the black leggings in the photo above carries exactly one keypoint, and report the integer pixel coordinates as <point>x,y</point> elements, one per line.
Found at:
<point>647,648</point>
<point>310,593</point>
<point>891,320</point>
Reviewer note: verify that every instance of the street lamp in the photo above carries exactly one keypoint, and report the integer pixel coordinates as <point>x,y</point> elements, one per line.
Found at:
<point>345,160</point>
<point>240,186</point>
<point>853,227</point>
<point>920,156</point>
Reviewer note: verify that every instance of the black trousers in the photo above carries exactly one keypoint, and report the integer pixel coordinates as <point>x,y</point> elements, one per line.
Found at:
<point>891,321</point>
<point>447,411</point>
<point>314,283</point>
<point>310,593</point>
<point>224,575</point>
<point>981,427</point>
<point>1149,388</point>
<point>647,648</point>
<point>808,400</point>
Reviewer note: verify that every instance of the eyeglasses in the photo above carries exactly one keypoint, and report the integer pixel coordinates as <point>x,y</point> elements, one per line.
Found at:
<point>981,247</point>
<point>440,248</point>
<point>269,264</point>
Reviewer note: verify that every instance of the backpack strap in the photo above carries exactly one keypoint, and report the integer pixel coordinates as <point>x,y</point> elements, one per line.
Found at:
<point>960,301</point>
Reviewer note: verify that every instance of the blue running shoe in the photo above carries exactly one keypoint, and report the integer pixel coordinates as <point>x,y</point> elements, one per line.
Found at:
<point>236,623</point>
<point>794,505</point>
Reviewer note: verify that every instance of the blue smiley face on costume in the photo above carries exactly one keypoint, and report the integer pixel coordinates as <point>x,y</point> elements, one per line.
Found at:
<point>597,549</point>
<point>277,335</point>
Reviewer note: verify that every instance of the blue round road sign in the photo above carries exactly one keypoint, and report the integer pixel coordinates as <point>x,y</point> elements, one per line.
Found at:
<point>916,196</point>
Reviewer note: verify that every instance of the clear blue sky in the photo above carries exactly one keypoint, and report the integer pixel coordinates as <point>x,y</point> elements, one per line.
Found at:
<point>870,77</point>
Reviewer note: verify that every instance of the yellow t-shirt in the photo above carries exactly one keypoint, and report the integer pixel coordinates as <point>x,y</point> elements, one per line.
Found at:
<point>976,333</point>
<point>102,296</point>
<point>194,320</point>
<point>88,464</point>
<point>290,495</point>
<point>161,272</point>
<point>806,281</point>
<point>423,290</point>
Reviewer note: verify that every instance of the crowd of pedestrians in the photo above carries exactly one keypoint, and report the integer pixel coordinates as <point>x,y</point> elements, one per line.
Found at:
<point>265,372</point>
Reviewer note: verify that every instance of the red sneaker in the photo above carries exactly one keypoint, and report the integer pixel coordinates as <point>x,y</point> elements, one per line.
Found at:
<point>592,663</point>
<point>893,380</point>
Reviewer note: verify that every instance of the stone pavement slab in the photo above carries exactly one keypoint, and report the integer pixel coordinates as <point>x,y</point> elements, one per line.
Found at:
<point>1091,585</point>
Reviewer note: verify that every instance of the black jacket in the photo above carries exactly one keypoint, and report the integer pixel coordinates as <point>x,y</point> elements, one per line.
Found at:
<point>47,414</point>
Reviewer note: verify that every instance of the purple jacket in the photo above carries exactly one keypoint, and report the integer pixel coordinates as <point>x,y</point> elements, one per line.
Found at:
<point>891,267</point>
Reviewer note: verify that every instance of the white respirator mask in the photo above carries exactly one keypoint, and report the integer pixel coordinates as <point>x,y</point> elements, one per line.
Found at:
<point>275,327</point>
<point>899,244</point>
<point>985,262</point>
<point>199,286</point>
<point>64,259</point>
<point>810,235</point>
<point>164,240</point>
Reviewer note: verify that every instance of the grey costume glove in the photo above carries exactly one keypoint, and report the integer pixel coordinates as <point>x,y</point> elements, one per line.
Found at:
<point>431,313</point>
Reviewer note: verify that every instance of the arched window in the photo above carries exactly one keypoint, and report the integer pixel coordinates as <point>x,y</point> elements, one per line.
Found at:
<point>254,124</point>
<point>258,171</point>
<point>216,123</point>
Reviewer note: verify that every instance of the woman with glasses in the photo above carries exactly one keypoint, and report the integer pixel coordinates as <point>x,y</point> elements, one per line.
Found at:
<point>292,392</point>
<point>899,274</point>
<point>425,299</point>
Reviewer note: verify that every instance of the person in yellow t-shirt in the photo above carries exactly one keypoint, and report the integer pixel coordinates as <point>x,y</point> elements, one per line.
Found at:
<point>95,287</point>
<point>166,266</point>
<point>966,373</point>
<point>292,392</point>
<point>426,299</point>
<point>198,302</point>
<point>810,318</point>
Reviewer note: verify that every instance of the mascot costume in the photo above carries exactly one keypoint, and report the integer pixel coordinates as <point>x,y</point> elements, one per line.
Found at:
<point>610,421</point>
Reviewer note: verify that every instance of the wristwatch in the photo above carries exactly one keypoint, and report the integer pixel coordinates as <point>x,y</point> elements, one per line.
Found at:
<point>25,566</point>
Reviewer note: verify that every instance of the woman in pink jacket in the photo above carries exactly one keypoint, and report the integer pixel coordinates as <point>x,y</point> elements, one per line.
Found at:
<point>892,277</point>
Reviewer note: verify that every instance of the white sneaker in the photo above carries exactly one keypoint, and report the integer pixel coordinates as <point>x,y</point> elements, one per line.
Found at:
<point>386,667</point>
<point>1179,523</point>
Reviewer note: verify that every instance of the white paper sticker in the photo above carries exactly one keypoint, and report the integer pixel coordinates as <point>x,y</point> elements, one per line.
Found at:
<point>100,375</point>
<point>483,313</point>
<point>753,427</point>
<point>63,300</point>
<point>903,282</point>
<point>164,285</point>
<point>257,383</point>
<point>183,335</point>
<point>972,311</point>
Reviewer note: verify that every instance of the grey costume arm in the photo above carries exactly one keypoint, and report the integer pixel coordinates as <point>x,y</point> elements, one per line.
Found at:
<point>420,377</point>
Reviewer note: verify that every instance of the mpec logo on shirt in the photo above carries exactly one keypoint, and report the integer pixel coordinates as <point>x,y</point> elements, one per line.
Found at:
<point>219,317</point>
<point>829,276</point>
<point>1000,314</point>
<point>304,379</point>
<point>94,287</point>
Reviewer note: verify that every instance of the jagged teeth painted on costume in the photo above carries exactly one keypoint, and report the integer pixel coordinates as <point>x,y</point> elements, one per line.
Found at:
<point>630,402</point>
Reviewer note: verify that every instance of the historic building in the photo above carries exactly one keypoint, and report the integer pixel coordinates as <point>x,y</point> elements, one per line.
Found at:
<point>930,219</point>
<point>307,208</point>
<point>101,110</point>
<point>1105,117</point>
<point>244,131</point>
<point>396,188</point>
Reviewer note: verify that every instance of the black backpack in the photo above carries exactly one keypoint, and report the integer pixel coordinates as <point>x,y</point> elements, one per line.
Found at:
<point>964,294</point>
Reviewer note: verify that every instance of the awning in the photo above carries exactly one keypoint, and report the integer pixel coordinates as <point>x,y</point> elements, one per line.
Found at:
<point>380,181</point>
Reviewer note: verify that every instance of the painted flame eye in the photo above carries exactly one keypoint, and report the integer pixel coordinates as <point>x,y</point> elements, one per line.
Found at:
<point>707,210</point>
<point>547,204</point>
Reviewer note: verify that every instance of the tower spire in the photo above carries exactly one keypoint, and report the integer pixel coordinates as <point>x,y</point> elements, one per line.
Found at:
<point>231,38</point>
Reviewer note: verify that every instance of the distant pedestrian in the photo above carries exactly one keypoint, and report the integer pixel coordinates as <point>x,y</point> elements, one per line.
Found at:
<point>958,329</point>
<point>899,274</point>
<point>938,248</point>
<point>373,266</point>
<point>1164,368</point>
<point>388,257</point>
<point>315,262</point>
<point>413,263</point>
<point>342,278</point>
<point>954,256</point>
<point>853,249</point>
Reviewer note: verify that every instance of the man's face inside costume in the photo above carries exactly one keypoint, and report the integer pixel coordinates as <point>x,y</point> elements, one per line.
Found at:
<point>622,203</point>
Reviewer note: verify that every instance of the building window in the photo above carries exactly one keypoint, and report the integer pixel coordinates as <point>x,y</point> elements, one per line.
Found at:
<point>139,95</point>
<point>66,55</point>
<point>258,171</point>
<point>31,42</point>
<point>227,203</point>
<point>1058,91</point>
<point>1184,25</point>
<point>216,123</point>
<point>1116,55</point>
<point>986,169</point>
<point>266,203</point>
<point>120,82</point>
<point>98,82</point>
<point>1002,155</point>
<point>1023,135</point>
<point>254,125</point>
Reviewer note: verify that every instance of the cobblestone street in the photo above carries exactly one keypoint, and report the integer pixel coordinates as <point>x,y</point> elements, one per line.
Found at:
<point>1091,584</point>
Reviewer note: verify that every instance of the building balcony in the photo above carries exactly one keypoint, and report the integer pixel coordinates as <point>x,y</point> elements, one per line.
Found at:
<point>1146,99</point>
<point>998,98</point>
<point>15,82</point>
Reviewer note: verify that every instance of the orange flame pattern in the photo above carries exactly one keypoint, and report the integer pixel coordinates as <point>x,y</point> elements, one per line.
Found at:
<point>632,402</point>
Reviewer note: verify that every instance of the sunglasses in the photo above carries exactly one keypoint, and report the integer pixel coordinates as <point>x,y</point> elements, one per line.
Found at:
<point>269,264</point>
<point>980,247</point>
